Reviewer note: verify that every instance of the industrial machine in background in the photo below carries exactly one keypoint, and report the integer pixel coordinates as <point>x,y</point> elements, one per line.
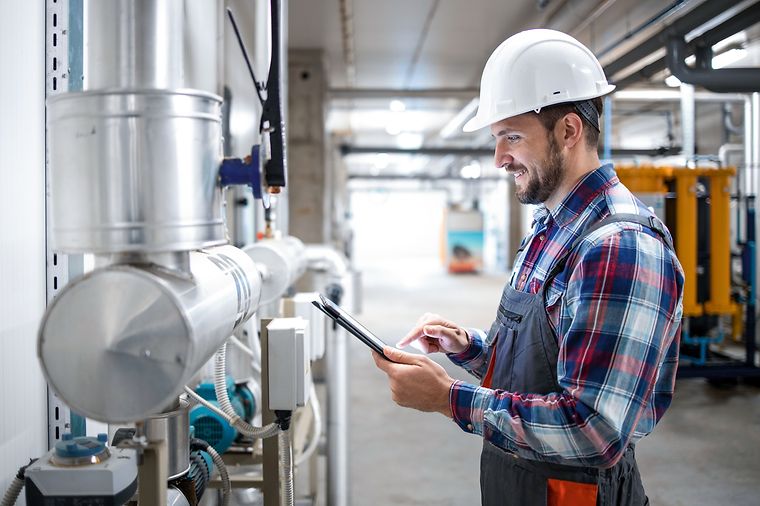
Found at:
<point>718,254</point>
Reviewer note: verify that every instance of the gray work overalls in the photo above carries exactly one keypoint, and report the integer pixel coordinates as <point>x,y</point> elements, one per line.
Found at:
<point>526,362</point>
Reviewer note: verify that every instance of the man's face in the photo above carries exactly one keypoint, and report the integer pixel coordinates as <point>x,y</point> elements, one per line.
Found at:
<point>531,155</point>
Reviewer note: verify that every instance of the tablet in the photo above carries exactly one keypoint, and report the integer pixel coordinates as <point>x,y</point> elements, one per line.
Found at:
<point>351,325</point>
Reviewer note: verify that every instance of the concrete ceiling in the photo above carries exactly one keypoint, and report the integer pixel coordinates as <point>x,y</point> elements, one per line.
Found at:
<point>443,44</point>
<point>408,44</point>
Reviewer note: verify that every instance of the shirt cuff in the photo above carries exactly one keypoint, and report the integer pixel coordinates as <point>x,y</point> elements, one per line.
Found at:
<point>473,351</point>
<point>467,404</point>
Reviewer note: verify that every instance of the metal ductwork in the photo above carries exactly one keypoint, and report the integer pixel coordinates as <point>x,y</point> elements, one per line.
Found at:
<point>135,179</point>
<point>121,342</point>
<point>734,80</point>
<point>134,157</point>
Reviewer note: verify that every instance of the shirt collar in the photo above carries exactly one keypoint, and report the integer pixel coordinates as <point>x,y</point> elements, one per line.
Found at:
<point>579,198</point>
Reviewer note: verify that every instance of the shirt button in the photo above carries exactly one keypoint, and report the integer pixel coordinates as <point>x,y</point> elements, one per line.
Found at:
<point>469,426</point>
<point>541,237</point>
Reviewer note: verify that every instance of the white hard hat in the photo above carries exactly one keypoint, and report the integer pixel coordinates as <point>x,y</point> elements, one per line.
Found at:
<point>533,69</point>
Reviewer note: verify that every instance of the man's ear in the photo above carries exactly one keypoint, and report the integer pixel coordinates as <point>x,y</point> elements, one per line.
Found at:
<point>571,130</point>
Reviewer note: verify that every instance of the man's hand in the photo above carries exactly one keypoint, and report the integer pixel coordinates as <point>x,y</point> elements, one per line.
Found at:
<point>434,334</point>
<point>416,381</point>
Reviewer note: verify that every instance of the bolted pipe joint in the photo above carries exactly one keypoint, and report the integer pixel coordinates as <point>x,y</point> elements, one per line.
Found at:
<point>245,171</point>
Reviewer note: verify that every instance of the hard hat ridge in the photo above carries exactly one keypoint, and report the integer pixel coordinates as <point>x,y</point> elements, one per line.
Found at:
<point>534,69</point>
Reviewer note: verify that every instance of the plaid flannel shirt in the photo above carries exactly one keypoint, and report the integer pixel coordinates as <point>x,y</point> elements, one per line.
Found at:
<point>616,311</point>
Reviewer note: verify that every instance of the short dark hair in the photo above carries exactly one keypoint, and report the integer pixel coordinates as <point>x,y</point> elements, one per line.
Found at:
<point>549,116</point>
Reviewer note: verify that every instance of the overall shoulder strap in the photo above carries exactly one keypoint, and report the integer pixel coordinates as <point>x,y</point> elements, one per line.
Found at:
<point>645,221</point>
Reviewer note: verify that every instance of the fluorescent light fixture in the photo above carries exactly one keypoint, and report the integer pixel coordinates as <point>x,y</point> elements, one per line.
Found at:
<point>673,81</point>
<point>397,106</point>
<point>455,124</point>
<point>382,160</point>
<point>409,140</point>
<point>728,58</point>
<point>393,127</point>
<point>737,39</point>
<point>471,170</point>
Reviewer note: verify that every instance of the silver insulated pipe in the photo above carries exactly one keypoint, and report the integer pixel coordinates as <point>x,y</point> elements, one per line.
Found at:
<point>135,157</point>
<point>134,179</point>
<point>120,343</point>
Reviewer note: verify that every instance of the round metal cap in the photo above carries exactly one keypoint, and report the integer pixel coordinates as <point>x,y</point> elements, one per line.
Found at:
<point>79,451</point>
<point>113,345</point>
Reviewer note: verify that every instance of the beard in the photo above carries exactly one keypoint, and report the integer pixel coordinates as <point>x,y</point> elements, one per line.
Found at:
<point>545,180</point>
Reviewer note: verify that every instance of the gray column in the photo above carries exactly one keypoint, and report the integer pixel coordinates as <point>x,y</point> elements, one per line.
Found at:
<point>309,190</point>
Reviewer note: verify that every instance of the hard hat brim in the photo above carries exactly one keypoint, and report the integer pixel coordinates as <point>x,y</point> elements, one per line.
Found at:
<point>481,121</point>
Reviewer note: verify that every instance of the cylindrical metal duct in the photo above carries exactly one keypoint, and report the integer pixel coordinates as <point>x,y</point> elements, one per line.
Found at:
<point>135,171</point>
<point>688,121</point>
<point>152,44</point>
<point>284,261</point>
<point>173,426</point>
<point>119,344</point>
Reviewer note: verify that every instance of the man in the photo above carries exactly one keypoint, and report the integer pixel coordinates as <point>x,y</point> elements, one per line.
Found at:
<point>581,360</point>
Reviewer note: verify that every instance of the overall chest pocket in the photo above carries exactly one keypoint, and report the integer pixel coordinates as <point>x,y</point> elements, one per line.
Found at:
<point>503,366</point>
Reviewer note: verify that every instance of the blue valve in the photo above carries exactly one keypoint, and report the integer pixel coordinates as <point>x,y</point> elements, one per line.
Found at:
<point>247,171</point>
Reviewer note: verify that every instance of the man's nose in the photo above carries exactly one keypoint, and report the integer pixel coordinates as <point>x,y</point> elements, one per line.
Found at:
<point>502,157</point>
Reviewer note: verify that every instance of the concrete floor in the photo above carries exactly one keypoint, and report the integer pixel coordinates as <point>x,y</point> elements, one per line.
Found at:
<point>706,451</point>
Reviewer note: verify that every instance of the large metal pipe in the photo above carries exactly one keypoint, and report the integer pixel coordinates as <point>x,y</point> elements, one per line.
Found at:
<point>755,140</point>
<point>281,262</point>
<point>688,121</point>
<point>119,344</point>
<point>134,158</point>
<point>135,171</point>
<point>152,44</point>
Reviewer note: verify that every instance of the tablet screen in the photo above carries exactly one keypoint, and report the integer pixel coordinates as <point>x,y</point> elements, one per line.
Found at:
<point>350,323</point>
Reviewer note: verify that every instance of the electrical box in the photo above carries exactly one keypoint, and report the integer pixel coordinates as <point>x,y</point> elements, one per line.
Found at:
<point>301,306</point>
<point>289,357</point>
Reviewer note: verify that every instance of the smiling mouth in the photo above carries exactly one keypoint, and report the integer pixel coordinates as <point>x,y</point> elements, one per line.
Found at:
<point>520,173</point>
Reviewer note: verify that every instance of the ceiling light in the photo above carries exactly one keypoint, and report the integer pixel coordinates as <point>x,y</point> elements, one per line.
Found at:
<point>393,128</point>
<point>397,106</point>
<point>471,170</point>
<point>409,140</point>
<point>455,124</point>
<point>673,81</point>
<point>729,57</point>
<point>382,160</point>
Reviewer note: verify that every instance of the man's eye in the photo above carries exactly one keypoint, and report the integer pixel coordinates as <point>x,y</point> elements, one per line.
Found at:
<point>513,138</point>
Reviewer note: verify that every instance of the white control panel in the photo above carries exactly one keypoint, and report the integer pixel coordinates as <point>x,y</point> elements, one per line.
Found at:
<point>301,306</point>
<point>289,354</point>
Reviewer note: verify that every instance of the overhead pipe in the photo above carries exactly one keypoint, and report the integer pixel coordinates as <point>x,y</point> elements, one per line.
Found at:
<point>651,35</point>
<point>400,93</point>
<point>733,80</point>
<point>742,16</point>
<point>476,152</point>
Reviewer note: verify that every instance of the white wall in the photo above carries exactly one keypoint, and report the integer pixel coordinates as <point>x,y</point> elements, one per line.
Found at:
<point>23,398</point>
